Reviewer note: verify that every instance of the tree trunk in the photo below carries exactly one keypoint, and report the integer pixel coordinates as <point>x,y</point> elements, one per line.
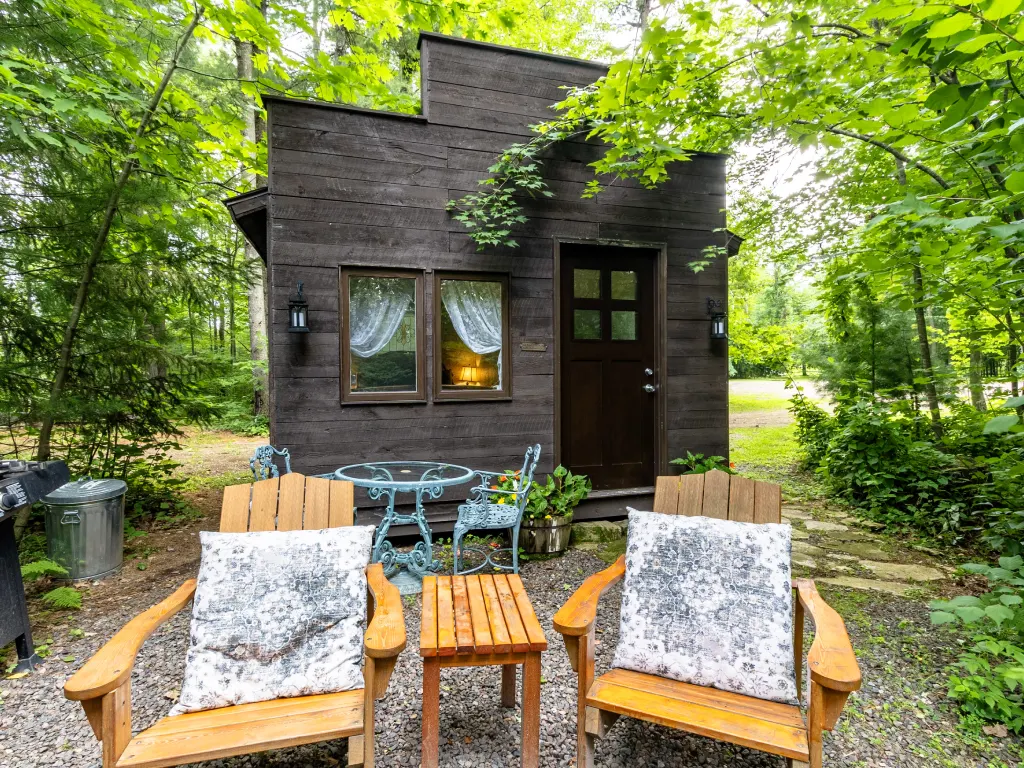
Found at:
<point>99,243</point>
<point>975,373</point>
<point>926,353</point>
<point>258,325</point>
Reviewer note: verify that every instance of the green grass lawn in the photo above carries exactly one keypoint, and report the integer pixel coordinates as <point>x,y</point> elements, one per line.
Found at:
<point>744,403</point>
<point>766,447</point>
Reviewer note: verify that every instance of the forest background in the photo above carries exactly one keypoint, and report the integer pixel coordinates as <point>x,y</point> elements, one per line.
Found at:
<point>877,176</point>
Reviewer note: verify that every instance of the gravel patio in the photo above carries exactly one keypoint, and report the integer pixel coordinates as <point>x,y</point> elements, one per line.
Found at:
<point>899,718</point>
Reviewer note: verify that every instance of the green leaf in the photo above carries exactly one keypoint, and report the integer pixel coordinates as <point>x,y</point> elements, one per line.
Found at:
<point>1000,424</point>
<point>975,44</point>
<point>951,25</point>
<point>1014,402</point>
<point>1001,8</point>
<point>1015,182</point>
<point>999,613</point>
<point>1011,563</point>
<point>942,617</point>
<point>969,614</point>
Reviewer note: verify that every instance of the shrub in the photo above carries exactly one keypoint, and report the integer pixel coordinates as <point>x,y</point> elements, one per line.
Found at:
<point>698,464</point>
<point>814,428</point>
<point>988,680</point>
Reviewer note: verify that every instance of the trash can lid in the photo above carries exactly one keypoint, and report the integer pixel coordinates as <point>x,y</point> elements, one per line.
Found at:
<point>86,489</point>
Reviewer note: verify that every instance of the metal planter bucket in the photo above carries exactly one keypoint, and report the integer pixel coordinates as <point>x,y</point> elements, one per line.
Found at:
<point>545,537</point>
<point>85,527</point>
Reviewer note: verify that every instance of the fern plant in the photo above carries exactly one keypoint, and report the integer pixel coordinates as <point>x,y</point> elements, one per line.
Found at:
<point>40,568</point>
<point>63,598</point>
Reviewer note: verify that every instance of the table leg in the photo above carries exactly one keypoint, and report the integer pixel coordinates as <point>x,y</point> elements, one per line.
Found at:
<point>508,685</point>
<point>421,560</point>
<point>383,551</point>
<point>531,711</point>
<point>431,711</point>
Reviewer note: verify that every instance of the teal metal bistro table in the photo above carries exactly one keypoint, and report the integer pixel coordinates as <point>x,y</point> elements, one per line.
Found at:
<point>385,480</point>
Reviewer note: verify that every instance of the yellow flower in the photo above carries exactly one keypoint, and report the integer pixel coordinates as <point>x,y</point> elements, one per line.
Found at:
<point>547,517</point>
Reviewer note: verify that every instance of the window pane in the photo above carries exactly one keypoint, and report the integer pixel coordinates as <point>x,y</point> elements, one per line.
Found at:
<point>586,283</point>
<point>586,324</point>
<point>623,326</point>
<point>471,336</point>
<point>624,285</point>
<point>382,333</point>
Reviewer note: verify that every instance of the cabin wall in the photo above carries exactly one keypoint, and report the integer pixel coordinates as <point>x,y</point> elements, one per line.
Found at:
<point>350,187</point>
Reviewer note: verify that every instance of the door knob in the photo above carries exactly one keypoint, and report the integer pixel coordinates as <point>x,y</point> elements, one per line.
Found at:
<point>648,372</point>
<point>649,388</point>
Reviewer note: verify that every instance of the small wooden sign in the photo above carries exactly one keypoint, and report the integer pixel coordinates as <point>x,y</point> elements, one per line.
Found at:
<point>533,346</point>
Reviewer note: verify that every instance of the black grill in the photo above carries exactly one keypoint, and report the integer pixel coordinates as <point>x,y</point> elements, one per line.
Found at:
<point>21,484</point>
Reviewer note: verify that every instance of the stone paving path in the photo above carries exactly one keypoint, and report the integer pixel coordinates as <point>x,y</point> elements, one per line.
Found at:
<point>838,549</point>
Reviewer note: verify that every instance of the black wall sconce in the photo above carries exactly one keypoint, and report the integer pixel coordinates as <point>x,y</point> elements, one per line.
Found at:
<point>297,306</point>
<point>717,314</point>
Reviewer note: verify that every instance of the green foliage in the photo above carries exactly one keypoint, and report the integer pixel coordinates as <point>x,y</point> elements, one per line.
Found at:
<point>964,487</point>
<point>558,496</point>
<point>814,428</point>
<point>989,677</point>
<point>63,598</point>
<point>698,464</point>
<point>41,568</point>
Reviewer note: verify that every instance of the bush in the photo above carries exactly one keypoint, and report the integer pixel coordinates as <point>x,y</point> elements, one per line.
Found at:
<point>872,454</point>
<point>988,680</point>
<point>814,428</point>
<point>698,464</point>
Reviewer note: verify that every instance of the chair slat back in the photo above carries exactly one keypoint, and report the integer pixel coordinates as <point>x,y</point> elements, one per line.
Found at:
<point>720,495</point>
<point>292,502</point>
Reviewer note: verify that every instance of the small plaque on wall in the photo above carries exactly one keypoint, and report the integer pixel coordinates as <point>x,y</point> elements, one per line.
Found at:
<point>533,346</point>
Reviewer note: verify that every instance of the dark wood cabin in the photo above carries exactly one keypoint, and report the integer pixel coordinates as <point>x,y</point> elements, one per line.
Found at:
<point>421,347</point>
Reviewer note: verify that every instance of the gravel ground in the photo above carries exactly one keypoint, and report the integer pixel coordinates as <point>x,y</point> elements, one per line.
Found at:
<point>898,719</point>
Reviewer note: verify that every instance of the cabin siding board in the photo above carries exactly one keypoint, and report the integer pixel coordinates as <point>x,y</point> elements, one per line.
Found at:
<point>351,188</point>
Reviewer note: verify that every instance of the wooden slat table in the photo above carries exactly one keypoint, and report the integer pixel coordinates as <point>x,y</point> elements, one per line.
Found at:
<point>481,620</point>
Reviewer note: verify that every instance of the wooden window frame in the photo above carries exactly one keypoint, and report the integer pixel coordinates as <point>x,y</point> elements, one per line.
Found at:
<point>505,393</point>
<point>348,397</point>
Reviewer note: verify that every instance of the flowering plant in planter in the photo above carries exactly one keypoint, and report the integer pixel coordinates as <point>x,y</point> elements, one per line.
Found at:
<point>549,508</point>
<point>559,496</point>
<point>506,482</point>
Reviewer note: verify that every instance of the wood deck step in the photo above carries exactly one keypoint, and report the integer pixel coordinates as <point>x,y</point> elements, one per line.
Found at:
<point>765,725</point>
<point>246,728</point>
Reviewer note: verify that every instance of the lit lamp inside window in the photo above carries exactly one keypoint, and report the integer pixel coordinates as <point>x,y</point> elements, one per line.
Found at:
<point>470,376</point>
<point>297,306</point>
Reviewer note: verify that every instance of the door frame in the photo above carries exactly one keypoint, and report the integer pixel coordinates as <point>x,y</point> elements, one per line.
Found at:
<point>660,340</point>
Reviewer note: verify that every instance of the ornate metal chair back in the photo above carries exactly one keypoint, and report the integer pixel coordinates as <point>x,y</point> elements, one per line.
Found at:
<point>526,475</point>
<point>262,462</point>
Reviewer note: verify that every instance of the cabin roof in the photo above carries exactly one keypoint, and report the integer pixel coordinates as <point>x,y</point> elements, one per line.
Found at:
<point>249,212</point>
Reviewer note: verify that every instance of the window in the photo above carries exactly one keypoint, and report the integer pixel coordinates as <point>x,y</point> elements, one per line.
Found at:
<point>471,337</point>
<point>381,336</point>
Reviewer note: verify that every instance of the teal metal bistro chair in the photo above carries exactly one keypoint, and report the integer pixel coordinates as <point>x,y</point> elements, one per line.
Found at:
<point>482,512</point>
<point>262,462</point>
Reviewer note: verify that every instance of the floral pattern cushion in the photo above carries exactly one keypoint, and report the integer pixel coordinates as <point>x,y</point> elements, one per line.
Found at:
<point>709,602</point>
<point>276,614</point>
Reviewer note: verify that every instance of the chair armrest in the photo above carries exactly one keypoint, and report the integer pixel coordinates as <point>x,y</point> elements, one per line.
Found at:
<point>112,664</point>
<point>577,616</point>
<point>385,634</point>
<point>831,660</point>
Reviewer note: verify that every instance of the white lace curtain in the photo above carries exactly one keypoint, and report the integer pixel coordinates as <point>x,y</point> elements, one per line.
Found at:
<point>376,307</point>
<point>475,310</point>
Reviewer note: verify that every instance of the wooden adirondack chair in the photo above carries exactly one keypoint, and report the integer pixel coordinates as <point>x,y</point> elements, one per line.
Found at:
<point>289,503</point>
<point>765,725</point>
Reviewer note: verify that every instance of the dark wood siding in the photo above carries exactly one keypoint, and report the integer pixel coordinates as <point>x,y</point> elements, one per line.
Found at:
<point>353,188</point>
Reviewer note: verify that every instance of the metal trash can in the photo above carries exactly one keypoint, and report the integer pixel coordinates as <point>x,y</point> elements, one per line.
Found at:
<point>85,527</point>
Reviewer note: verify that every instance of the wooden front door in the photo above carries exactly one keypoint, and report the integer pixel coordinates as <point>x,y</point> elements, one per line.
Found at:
<point>607,326</point>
